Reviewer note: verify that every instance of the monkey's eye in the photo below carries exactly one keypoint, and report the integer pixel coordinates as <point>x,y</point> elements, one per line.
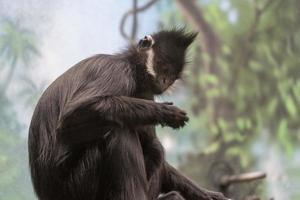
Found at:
<point>144,43</point>
<point>165,70</point>
<point>163,67</point>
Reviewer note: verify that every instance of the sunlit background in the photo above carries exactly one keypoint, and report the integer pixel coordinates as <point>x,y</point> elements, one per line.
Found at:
<point>241,88</point>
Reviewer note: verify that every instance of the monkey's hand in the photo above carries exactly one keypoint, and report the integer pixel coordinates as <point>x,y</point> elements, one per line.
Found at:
<point>173,116</point>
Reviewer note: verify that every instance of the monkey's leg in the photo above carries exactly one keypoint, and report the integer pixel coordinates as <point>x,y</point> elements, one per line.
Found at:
<point>171,196</point>
<point>174,180</point>
<point>114,171</point>
<point>125,176</point>
<point>84,119</point>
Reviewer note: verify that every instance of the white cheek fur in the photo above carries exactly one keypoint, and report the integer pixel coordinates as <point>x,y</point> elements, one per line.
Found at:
<point>150,61</point>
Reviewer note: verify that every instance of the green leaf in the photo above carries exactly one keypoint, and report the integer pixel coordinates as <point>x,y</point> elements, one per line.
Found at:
<point>233,151</point>
<point>236,136</point>
<point>272,105</point>
<point>208,79</point>
<point>290,106</point>
<point>212,148</point>
<point>284,138</point>
<point>296,90</point>
<point>222,124</point>
<point>240,122</point>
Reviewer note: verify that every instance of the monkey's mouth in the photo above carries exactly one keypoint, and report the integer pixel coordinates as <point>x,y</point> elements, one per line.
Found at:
<point>157,89</point>
<point>165,84</point>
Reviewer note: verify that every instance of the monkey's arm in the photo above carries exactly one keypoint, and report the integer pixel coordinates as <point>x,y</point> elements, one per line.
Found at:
<point>174,180</point>
<point>84,119</point>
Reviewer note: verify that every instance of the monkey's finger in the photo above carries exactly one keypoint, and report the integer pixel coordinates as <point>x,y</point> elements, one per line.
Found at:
<point>184,117</point>
<point>183,112</point>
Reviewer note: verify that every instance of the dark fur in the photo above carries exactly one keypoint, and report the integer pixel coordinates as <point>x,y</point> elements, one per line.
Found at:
<point>92,134</point>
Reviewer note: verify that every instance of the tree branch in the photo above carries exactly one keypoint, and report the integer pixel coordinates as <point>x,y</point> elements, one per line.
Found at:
<point>258,12</point>
<point>246,177</point>
<point>210,46</point>
<point>210,40</point>
<point>134,21</point>
<point>133,12</point>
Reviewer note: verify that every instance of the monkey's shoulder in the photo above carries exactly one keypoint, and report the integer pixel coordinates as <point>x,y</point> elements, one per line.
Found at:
<point>99,75</point>
<point>101,64</point>
<point>101,71</point>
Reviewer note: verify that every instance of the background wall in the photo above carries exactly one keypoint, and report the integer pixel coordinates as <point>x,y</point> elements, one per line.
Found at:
<point>241,88</point>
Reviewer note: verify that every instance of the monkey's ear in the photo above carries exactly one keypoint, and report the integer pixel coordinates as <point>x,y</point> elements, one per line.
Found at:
<point>146,43</point>
<point>188,38</point>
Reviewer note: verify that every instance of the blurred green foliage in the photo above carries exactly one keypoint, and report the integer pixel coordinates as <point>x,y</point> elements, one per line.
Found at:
<point>255,91</point>
<point>256,88</point>
<point>17,47</point>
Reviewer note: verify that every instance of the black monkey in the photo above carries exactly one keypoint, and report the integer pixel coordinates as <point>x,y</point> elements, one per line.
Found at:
<point>92,133</point>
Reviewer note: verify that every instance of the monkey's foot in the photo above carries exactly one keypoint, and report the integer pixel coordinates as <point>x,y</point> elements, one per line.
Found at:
<point>210,195</point>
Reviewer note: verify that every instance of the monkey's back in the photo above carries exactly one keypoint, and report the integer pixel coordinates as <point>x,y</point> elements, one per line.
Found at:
<point>54,164</point>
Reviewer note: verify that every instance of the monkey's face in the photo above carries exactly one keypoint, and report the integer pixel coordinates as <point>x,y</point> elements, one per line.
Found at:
<point>165,52</point>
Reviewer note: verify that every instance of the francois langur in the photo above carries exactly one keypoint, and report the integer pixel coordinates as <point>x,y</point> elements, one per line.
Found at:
<point>92,134</point>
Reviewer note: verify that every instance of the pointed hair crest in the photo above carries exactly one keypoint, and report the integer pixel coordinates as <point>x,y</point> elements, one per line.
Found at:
<point>180,36</point>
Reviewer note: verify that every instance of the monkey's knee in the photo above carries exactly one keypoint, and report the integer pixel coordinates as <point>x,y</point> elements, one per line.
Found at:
<point>171,196</point>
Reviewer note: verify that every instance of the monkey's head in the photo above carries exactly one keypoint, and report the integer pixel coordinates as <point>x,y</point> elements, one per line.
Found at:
<point>165,52</point>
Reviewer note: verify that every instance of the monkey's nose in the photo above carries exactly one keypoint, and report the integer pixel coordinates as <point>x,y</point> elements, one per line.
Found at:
<point>164,80</point>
